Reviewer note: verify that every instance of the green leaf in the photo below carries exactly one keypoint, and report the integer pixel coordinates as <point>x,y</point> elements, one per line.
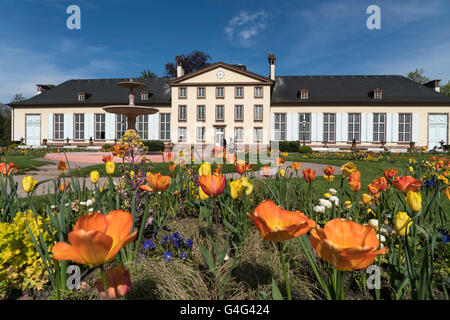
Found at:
<point>276,293</point>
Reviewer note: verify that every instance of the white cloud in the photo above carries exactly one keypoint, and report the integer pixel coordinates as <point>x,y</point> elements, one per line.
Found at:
<point>246,25</point>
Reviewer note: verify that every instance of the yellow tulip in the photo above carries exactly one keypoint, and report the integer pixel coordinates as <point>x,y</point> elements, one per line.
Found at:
<point>414,200</point>
<point>411,169</point>
<point>247,184</point>
<point>236,189</point>
<point>205,169</point>
<point>402,223</point>
<point>95,176</point>
<point>447,192</point>
<point>282,172</point>
<point>327,195</point>
<point>348,168</point>
<point>110,167</point>
<point>329,178</point>
<point>202,194</point>
<point>28,184</point>
<point>367,199</point>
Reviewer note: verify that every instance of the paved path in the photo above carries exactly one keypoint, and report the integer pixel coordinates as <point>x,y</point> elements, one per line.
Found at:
<point>50,171</point>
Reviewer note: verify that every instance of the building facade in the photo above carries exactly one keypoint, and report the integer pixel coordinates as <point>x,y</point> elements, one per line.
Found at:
<point>224,101</point>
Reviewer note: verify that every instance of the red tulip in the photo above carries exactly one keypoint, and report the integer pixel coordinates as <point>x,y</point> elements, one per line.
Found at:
<point>406,183</point>
<point>117,280</point>
<point>309,175</point>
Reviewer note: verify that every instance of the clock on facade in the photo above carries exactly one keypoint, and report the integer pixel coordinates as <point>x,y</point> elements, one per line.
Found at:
<point>220,74</point>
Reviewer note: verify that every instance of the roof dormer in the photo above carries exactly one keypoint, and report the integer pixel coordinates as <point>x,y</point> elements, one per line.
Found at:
<point>304,94</point>
<point>144,95</point>
<point>378,94</point>
<point>81,96</point>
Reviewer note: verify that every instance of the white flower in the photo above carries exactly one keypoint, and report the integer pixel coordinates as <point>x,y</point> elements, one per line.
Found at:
<point>319,209</point>
<point>334,199</point>
<point>91,209</point>
<point>83,203</point>
<point>373,223</point>
<point>226,257</point>
<point>325,203</point>
<point>386,230</point>
<point>381,237</point>
<point>89,202</point>
<point>332,191</point>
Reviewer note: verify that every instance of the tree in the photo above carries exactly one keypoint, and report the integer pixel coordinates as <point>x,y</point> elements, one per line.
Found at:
<point>5,125</point>
<point>147,74</point>
<point>17,98</point>
<point>418,76</point>
<point>191,62</point>
<point>445,89</point>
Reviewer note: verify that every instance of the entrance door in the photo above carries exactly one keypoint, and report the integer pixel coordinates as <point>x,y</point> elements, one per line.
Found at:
<point>33,127</point>
<point>437,129</point>
<point>220,133</point>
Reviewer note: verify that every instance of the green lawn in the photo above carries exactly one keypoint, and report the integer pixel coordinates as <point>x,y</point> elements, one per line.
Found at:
<point>26,162</point>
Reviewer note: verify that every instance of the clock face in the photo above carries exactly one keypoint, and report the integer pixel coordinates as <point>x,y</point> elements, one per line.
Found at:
<point>220,74</point>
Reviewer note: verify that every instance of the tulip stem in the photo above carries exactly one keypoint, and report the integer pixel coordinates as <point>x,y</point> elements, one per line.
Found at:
<point>284,266</point>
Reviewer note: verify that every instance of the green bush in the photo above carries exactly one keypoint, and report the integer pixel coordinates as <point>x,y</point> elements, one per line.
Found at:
<point>154,145</point>
<point>305,149</point>
<point>107,147</point>
<point>289,146</point>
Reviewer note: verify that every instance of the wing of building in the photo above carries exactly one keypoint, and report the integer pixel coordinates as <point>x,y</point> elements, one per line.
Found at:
<point>224,101</point>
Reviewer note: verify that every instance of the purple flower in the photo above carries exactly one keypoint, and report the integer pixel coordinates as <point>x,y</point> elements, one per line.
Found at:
<point>149,244</point>
<point>183,255</point>
<point>188,243</point>
<point>164,240</point>
<point>168,256</point>
<point>149,221</point>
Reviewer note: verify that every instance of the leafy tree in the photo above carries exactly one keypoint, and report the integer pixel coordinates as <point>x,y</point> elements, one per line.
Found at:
<point>5,125</point>
<point>191,62</point>
<point>418,76</point>
<point>147,74</point>
<point>445,89</point>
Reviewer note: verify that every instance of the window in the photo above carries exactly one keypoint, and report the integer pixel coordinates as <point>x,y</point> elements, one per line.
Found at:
<point>304,128</point>
<point>258,116</point>
<point>81,96</point>
<point>182,113</point>
<point>58,126</point>
<point>100,132</point>
<point>239,93</point>
<point>182,133</point>
<point>257,134</point>
<point>182,93</point>
<point>121,125</point>
<point>164,129</point>
<point>239,134</point>
<point>280,126</point>
<point>201,113</point>
<point>258,92</point>
<point>404,127</point>
<point>200,134</point>
<point>220,92</point>
<point>378,94</point>
<point>220,113</point>
<point>329,125</point>
<point>239,113</point>
<point>354,126</point>
<point>201,93</point>
<point>78,119</point>
<point>144,95</point>
<point>379,127</point>
<point>304,94</point>
<point>142,126</point>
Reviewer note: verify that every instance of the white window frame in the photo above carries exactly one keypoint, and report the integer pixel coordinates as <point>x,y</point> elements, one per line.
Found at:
<point>239,137</point>
<point>239,90</point>
<point>203,108</point>
<point>220,92</point>
<point>200,134</point>
<point>121,125</point>
<point>239,115</point>
<point>142,126</point>
<point>354,127</point>
<point>182,111</point>
<point>258,135</point>
<point>182,134</point>
<point>164,126</point>
<point>144,96</point>
<point>304,127</point>
<point>258,92</point>
<point>329,127</point>
<point>100,126</point>
<point>182,90</point>
<point>404,127</point>
<point>379,127</point>
<point>58,126</point>
<point>78,126</point>
<point>220,110</point>
<point>280,126</point>
<point>201,90</point>
<point>256,113</point>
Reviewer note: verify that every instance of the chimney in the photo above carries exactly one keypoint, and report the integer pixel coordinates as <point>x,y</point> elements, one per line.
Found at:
<point>272,59</point>
<point>44,87</point>
<point>434,84</point>
<point>180,71</point>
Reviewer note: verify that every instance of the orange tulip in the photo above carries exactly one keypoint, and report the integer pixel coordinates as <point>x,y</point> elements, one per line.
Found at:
<point>158,182</point>
<point>277,224</point>
<point>296,166</point>
<point>345,244</point>
<point>249,167</point>
<point>406,183</point>
<point>390,173</point>
<point>107,159</point>
<point>118,281</point>
<point>354,176</point>
<point>172,167</point>
<point>280,161</point>
<point>212,185</point>
<point>328,171</point>
<point>447,192</point>
<point>96,238</point>
<point>241,166</point>
<point>218,168</point>
<point>63,187</point>
<point>62,166</point>
<point>146,187</point>
<point>266,171</point>
<point>309,175</point>
<point>6,169</point>
<point>355,185</point>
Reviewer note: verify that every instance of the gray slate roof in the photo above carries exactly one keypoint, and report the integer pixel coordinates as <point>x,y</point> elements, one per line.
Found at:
<point>102,92</point>
<point>357,89</point>
<point>354,89</point>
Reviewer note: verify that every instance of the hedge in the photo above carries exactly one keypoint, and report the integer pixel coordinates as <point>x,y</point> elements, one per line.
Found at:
<point>154,145</point>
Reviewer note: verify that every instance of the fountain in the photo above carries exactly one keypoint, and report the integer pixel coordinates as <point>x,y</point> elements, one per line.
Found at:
<point>130,110</point>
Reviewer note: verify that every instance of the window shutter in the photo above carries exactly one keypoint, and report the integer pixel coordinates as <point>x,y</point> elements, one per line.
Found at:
<point>363,127</point>
<point>50,127</point>
<point>319,127</point>
<point>389,119</point>
<point>295,126</point>
<point>272,126</point>
<point>415,127</point>
<point>109,126</point>
<point>89,126</point>
<point>68,126</point>
<point>313,127</point>
<point>369,127</point>
<point>289,128</point>
<point>395,127</point>
<point>344,126</point>
<point>339,136</point>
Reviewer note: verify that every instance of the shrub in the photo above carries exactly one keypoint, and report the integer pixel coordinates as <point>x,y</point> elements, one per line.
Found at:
<point>289,146</point>
<point>20,264</point>
<point>107,147</point>
<point>305,149</point>
<point>154,145</point>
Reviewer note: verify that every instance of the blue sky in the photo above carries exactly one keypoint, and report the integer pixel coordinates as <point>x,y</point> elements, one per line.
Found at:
<point>121,38</point>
